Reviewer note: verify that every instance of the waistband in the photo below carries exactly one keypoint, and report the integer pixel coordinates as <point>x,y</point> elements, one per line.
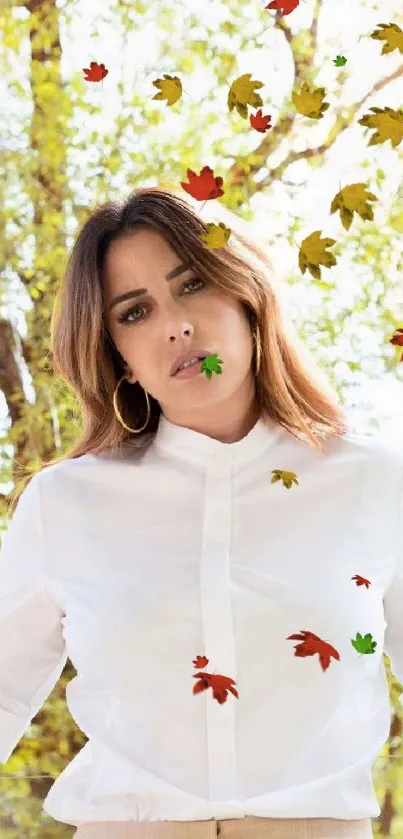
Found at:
<point>249,827</point>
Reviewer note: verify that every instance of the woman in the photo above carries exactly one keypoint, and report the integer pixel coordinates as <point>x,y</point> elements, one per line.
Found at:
<point>216,554</point>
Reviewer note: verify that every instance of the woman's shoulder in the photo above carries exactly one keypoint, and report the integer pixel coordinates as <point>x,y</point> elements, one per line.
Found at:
<point>379,449</point>
<point>89,465</point>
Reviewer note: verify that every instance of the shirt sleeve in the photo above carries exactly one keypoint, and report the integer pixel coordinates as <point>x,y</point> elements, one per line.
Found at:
<point>32,647</point>
<point>393,603</point>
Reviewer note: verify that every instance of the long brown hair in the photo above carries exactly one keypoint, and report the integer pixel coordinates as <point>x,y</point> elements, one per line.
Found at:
<point>290,387</point>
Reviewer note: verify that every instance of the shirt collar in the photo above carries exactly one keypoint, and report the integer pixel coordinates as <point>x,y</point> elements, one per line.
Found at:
<point>187,444</point>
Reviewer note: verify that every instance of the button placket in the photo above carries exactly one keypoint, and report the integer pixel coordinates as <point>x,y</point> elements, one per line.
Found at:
<point>218,629</point>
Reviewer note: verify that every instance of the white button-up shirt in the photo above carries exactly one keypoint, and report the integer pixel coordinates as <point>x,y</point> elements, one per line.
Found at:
<point>226,608</point>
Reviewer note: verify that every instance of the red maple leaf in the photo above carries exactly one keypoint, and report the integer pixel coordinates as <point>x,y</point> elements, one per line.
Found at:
<point>220,685</point>
<point>287,6</point>
<point>261,123</point>
<point>200,661</point>
<point>203,186</point>
<point>96,72</point>
<point>397,339</point>
<point>361,581</point>
<point>312,644</point>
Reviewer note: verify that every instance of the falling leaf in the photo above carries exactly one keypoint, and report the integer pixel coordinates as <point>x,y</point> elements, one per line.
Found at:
<point>288,478</point>
<point>200,661</point>
<point>217,235</point>
<point>364,644</point>
<point>220,685</point>
<point>391,34</point>
<point>312,644</point>
<point>259,122</point>
<point>309,101</point>
<point>241,94</point>
<point>95,72</point>
<point>203,186</point>
<point>350,199</point>
<point>361,581</point>
<point>170,89</point>
<point>397,339</point>
<point>285,6</point>
<point>388,123</point>
<point>211,365</point>
<point>313,252</point>
<point>340,61</point>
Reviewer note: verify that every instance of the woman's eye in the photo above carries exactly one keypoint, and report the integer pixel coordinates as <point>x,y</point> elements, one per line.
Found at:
<point>125,317</point>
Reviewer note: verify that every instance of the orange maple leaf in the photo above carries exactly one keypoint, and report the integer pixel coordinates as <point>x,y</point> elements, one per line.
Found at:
<point>220,685</point>
<point>286,6</point>
<point>361,581</point>
<point>260,122</point>
<point>95,72</point>
<point>312,644</point>
<point>200,661</point>
<point>203,186</point>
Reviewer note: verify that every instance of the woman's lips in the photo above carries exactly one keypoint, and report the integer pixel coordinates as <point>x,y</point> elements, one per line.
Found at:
<point>188,372</point>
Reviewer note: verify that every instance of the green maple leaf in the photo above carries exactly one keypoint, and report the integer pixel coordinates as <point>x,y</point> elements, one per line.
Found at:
<point>364,644</point>
<point>340,61</point>
<point>211,364</point>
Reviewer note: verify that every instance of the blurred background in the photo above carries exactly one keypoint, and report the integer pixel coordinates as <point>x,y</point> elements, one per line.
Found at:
<point>68,145</point>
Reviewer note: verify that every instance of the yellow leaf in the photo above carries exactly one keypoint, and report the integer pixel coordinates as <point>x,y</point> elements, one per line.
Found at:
<point>217,235</point>
<point>170,89</point>
<point>241,94</point>
<point>350,199</point>
<point>391,34</point>
<point>288,478</point>
<point>313,252</point>
<point>388,123</point>
<point>309,101</point>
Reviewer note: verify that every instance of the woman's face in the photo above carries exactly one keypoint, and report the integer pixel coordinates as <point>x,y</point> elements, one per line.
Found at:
<point>170,317</point>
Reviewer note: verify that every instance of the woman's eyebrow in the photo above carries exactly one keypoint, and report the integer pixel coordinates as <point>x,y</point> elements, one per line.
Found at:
<point>135,292</point>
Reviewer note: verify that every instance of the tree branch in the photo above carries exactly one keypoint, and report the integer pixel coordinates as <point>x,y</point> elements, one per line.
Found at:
<point>313,29</point>
<point>303,67</point>
<point>301,62</point>
<point>341,123</point>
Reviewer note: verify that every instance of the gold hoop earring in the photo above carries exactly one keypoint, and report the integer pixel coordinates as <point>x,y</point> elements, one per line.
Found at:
<point>118,414</point>
<point>258,348</point>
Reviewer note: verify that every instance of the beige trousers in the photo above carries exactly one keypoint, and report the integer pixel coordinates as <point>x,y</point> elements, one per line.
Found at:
<point>250,827</point>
